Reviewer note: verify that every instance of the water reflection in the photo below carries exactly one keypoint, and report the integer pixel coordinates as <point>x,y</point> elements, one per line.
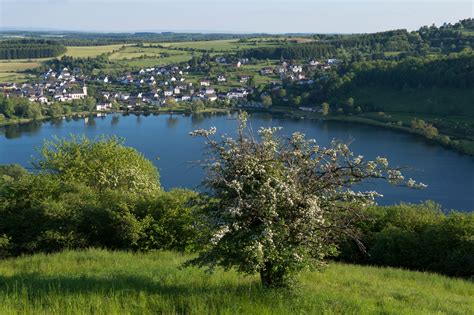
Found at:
<point>89,121</point>
<point>56,122</point>
<point>172,121</point>
<point>17,130</point>
<point>139,119</point>
<point>197,118</point>
<point>115,120</point>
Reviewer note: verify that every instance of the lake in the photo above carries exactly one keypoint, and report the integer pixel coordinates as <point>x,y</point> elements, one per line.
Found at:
<point>165,140</point>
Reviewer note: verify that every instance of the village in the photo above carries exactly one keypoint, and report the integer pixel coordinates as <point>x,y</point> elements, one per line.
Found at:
<point>168,85</point>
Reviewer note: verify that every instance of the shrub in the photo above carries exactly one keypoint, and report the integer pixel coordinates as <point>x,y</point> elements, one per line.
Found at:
<point>168,221</point>
<point>101,163</point>
<point>419,237</point>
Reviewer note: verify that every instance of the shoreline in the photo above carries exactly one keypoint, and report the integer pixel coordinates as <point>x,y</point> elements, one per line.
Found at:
<point>469,151</point>
<point>278,111</point>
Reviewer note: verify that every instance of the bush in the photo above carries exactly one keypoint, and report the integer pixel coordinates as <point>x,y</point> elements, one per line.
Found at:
<point>42,213</point>
<point>103,163</point>
<point>168,221</point>
<point>4,246</point>
<point>418,237</point>
<point>90,194</point>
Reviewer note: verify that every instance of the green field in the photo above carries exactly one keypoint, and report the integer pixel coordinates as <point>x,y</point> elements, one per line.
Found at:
<point>218,45</point>
<point>90,51</point>
<point>13,70</point>
<point>135,52</point>
<point>102,282</point>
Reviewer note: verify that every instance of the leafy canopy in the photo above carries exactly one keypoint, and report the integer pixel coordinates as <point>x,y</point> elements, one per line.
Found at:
<point>101,163</point>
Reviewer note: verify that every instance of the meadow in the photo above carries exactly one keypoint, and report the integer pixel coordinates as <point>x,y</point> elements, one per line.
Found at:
<point>90,51</point>
<point>227,45</point>
<point>14,70</point>
<point>104,282</point>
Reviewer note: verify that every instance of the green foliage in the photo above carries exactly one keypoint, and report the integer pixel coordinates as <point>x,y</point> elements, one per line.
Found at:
<point>55,110</point>
<point>168,221</point>
<point>4,246</point>
<point>12,171</point>
<point>102,164</point>
<point>19,107</point>
<point>325,108</point>
<point>42,213</point>
<point>30,48</point>
<point>91,194</point>
<point>426,129</point>
<point>299,51</point>
<point>267,101</point>
<point>418,237</point>
<point>276,207</point>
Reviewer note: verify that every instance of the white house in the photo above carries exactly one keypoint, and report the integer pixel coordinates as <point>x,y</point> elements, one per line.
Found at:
<point>212,97</point>
<point>42,100</point>
<point>103,106</point>
<point>78,95</point>
<point>210,90</point>
<point>205,83</point>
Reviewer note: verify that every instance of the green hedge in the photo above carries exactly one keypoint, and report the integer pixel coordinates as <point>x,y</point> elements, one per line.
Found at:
<point>418,237</point>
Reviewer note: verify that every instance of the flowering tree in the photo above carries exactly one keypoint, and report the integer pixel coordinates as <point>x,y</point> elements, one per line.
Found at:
<point>278,206</point>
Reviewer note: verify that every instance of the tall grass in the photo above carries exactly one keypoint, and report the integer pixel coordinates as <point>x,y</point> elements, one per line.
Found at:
<point>103,282</point>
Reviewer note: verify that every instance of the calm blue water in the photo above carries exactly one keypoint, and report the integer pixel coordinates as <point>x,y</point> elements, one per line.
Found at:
<point>165,140</point>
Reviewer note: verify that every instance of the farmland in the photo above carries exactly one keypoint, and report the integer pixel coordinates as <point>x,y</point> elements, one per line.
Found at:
<point>90,51</point>
<point>221,45</point>
<point>14,70</point>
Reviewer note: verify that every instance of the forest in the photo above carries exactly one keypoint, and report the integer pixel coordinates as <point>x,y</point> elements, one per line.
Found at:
<point>30,48</point>
<point>389,45</point>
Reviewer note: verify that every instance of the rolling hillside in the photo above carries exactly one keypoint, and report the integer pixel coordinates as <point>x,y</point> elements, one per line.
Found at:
<point>103,282</point>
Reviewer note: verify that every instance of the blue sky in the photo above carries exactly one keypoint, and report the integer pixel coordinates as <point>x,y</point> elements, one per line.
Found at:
<point>243,16</point>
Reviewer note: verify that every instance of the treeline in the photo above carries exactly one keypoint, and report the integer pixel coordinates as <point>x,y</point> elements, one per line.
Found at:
<point>395,40</point>
<point>19,107</point>
<point>449,37</point>
<point>416,237</point>
<point>452,71</point>
<point>30,48</point>
<point>389,45</point>
<point>97,39</point>
<point>299,51</point>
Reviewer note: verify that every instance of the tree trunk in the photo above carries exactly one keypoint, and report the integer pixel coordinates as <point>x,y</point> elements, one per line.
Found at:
<point>271,278</point>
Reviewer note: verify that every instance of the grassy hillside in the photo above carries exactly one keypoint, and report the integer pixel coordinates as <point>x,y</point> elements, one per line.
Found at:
<point>97,281</point>
<point>13,70</point>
